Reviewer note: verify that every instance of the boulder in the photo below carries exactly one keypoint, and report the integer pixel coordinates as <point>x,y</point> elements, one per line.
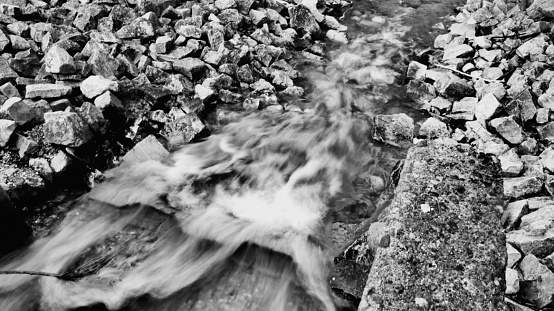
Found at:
<point>538,281</point>
<point>396,129</point>
<point>509,129</point>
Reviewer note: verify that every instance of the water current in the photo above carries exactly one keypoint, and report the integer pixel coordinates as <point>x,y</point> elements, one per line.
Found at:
<point>252,204</point>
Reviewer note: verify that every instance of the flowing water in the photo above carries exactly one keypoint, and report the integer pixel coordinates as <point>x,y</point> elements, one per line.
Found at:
<point>252,204</point>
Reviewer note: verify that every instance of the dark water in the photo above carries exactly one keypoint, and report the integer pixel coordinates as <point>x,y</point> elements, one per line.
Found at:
<point>251,204</point>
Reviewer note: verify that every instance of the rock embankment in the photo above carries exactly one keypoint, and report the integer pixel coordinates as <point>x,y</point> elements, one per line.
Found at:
<point>489,83</point>
<point>81,82</point>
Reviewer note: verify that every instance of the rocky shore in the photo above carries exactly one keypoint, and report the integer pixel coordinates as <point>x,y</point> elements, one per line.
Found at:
<point>84,82</point>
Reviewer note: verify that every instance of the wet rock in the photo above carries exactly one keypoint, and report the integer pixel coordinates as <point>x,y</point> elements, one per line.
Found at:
<point>183,129</point>
<point>416,71</point>
<point>46,91</point>
<point>7,127</point>
<point>26,146</point>
<point>509,129</point>
<point>396,129</point>
<point>41,166</point>
<point>521,186</point>
<point>96,85</point>
<point>422,93</point>
<point>433,128</point>
<point>60,162</point>
<point>66,128</point>
<point>538,281</point>
<point>536,233</point>
<point>510,163</point>
<point>512,281</point>
<point>147,149</point>
<point>442,40</point>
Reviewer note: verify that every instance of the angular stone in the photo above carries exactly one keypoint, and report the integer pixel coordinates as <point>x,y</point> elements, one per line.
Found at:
<point>492,73</point>
<point>514,256</point>
<point>96,85</point>
<point>20,111</point>
<point>303,21</point>
<point>189,67</point>
<point>396,129</point>
<point>19,43</point>
<point>46,91</point>
<point>441,104</point>
<point>183,129</point>
<point>547,159</point>
<point>510,163</point>
<point>6,73</point>
<point>88,16</point>
<point>513,213</point>
<point>60,162</point>
<point>463,29</point>
<point>103,64</point>
<point>26,146</point>
<point>164,44</point>
<point>433,128</point>
<point>416,71</point>
<point>421,92</point>
<point>509,129</point>
<point>512,281</point>
<point>534,46</point>
<point>442,40</point>
<point>93,116</point>
<point>66,128</point>
<point>538,285</point>
<point>521,186</point>
<point>546,100</point>
<point>454,52</point>
<point>140,28</point>
<point>57,60</point>
<point>546,132</point>
<point>7,127</point>
<point>486,107</point>
<point>41,166</point>
<point>450,85</point>
<point>147,149</point>
<point>542,115</point>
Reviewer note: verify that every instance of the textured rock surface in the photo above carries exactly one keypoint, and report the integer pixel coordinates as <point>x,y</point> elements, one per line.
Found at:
<point>446,196</point>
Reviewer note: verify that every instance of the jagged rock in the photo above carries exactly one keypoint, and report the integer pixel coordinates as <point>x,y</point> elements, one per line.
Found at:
<point>510,163</point>
<point>57,60</point>
<point>534,46</point>
<point>538,281</point>
<point>492,73</point>
<point>19,43</point>
<point>251,103</point>
<point>7,127</point>
<point>433,128</point>
<point>546,100</point>
<point>140,28</point>
<point>513,213</point>
<point>93,116</point>
<point>416,71</point>
<point>394,129</point>
<point>66,128</point>
<point>164,44</point>
<point>451,86</point>
<point>442,104</point>
<point>25,146</point>
<point>183,129</point>
<point>9,90</point>
<point>546,132</point>
<point>47,91</point>
<point>542,115</point>
<point>486,107</point>
<point>421,92</point>
<point>463,29</point>
<point>41,166</point>
<point>103,64</point>
<point>203,92</point>
<point>466,104</point>
<point>547,159</point>
<point>442,40</point>
<point>536,233</point>
<point>512,281</point>
<point>509,129</point>
<point>189,67</point>
<point>96,85</point>
<point>107,100</point>
<point>88,16</point>
<point>60,162</point>
<point>281,79</point>
<point>458,51</point>
<point>475,130</point>
<point>520,186</point>
<point>19,111</point>
<point>528,146</point>
<point>147,149</point>
<point>303,21</point>
<point>6,73</point>
<point>514,256</point>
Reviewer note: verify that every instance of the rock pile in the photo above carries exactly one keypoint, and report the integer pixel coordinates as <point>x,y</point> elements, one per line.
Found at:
<point>490,83</point>
<point>84,81</point>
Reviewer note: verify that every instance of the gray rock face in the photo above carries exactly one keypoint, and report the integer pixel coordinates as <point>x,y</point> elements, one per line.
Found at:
<point>303,21</point>
<point>66,128</point>
<point>147,149</point>
<point>19,111</point>
<point>433,128</point>
<point>451,86</point>
<point>513,213</point>
<point>47,91</point>
<point>57,60</point>
<point>521,186</point>
<point>394,129</point>
<point>183,129</point>
<point>511,163</point>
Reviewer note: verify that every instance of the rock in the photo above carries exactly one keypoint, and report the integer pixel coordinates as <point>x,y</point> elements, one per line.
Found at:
<point>19,43</point>
<point>416,71</point>
<point>183,129</point>
<point>486,107</point>
<point>513,213</point>
<point>26,146</point>
<point>525,106</point>
<point>281,79</point>
<point>147,149</point>
<point>164,44</point>
<point>451,86</point>
<point>8,90</point>
<point>536,233</point>
<point>60,162</point>
<point>492,73</point>
<point>442,104</point>
<point>189,67</point>
<point>107,100</point>
<point>421,92</point>
<point>225,4</point>
<point>96,85</point>
<point>47,91</point>
<point>547,159</point>
<point>41,166</point>
<point>6,73</point>
<point>542,115</point>
<point>466,104</point>
<point>534,46</point>
<point>546,100</point>
<point>7,127</point>
<point>508,128</point>
<point>140,28</point>
<point>546,132</point>
<point>66,128</point>
<point>19,111</point>
<point>538,281</point>
<point>520,186</point>
<point>337,36</point>
<point>458,51</point>
<point>463,29</point>
<point>442,40</point>
<point>510,163</point>
<point>103,64</point>
<point>475,130</point>
<point>93,117</point>
<point>512,281</point>
<point>394,129</point>
<point>88,16</point>
<point>528,146</point>
<point>514,256</point>
<point>203,92</point>
<point>532,165</point>
<point>433,128</point>
<point>57,60</point>
<point>303,21</point>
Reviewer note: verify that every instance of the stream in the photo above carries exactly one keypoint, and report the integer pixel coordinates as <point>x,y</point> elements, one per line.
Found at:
<point>250,207</point>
